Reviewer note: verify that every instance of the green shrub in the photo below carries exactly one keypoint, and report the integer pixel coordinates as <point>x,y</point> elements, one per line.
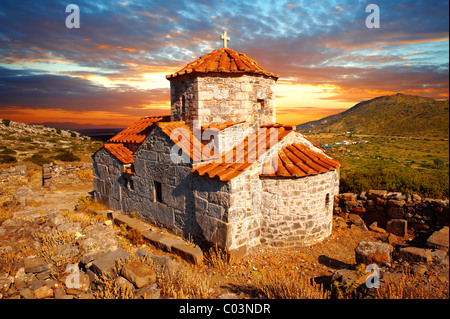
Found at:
<point>429,184</point>
<point>6,122</point>
<point>38,159</point>
<point>7,159</point>
<point>67,156</point>
<point>24,139</point>
<point>8,151</point>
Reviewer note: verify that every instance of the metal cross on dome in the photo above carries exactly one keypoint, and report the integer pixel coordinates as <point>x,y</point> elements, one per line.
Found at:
<point>225,38</point>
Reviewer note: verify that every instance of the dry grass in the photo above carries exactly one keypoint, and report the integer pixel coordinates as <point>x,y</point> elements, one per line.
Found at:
<point>219,258</point>
<point>107,288</point>
<point>85,175</point>
<point>7,206</point>
<point>51,242</point>
<point>288,284</point>
<point>407,288</point>
<point>85,202</point>
<point>182,284</point>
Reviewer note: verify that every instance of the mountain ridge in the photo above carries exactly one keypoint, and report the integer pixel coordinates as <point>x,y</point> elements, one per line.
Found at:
<point>397,114</point>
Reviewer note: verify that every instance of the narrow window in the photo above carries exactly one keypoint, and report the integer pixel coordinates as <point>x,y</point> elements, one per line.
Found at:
<point>327,200</point>
<point>158,192</point>
<point>183,104</point>
<point>260,104</point>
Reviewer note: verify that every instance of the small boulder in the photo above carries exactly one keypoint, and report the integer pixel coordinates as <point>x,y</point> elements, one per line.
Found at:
<point>43,292</point>
<point>374,252</point>
<point>439,239</point>
<point>397,227</point>
<point>106,263</point>
<point>36,264</point>
<point>414,254</point>
<point>138,273</point>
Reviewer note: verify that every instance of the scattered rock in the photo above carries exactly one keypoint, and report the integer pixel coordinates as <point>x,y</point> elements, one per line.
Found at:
<point>138,273</point>
<point>228,295</point>
<point>105,264</point>
<point>36,264</point>
<point>439,239</point>
<point>59,293</point>
<point>70,228</point>
<point>374,252</point>
<point>27,293</point>
<point>397,227</point>
<point>355,219</point>
<point>124,284</point>
<point>148,292</point>
<point>418,269</point>
<point>374,194</point>
<point>414,254</point>
<point>43,292</point>
<point>438,254</point>
<point>347,278</point>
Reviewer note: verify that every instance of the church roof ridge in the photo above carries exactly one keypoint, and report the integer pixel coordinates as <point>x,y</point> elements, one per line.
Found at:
<point>223,60</point>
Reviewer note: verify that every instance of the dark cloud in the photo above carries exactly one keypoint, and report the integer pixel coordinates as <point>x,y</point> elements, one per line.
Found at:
<point>46,91</point>
<point>307,42</point>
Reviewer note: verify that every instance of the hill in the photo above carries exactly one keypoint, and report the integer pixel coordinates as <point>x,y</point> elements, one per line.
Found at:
<point>38,144</point>
<point>393,115</point>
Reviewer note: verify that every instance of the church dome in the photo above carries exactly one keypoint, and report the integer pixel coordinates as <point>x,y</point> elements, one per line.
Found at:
<point>223,60</point>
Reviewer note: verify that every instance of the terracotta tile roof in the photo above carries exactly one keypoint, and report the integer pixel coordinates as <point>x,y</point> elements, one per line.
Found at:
<point>244,154</point>
<point>221,126</point>
<point>122,153</point>
<point>298,160</point>
<point>224,61</point>
<point>138,131</point>
<point>180,133</point>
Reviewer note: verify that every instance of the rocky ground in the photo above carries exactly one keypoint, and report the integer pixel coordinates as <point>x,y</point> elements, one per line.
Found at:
<point>52,246</point>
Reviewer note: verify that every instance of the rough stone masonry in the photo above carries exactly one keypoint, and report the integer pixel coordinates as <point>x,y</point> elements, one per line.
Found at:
<point>278,188</point>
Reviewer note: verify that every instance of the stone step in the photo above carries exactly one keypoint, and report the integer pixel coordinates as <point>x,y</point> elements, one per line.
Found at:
<point>163,241</point>
<point>189,253</point>
<point>174,245</point>
<point>132,223</point>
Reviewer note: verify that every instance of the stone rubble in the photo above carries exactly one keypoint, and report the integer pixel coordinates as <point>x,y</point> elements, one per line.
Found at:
<point>96,253</point>
<point>414,231</point>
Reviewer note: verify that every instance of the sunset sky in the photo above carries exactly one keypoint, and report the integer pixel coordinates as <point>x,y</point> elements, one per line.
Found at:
<point>111,70</point>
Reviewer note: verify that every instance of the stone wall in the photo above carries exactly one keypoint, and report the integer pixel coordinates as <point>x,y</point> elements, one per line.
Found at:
<point>211,205</point>
<point>108,181</point>
<point>215,99</point>
<point>237,215</point>
<point>298,211</point>
<point>15,172</point>
<point>175,207</point>
<point>227,138</point>
<point>66,175</point>
<point>381,206</point>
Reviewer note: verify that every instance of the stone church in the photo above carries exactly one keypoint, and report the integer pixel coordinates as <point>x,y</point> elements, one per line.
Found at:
<point>220,169</point>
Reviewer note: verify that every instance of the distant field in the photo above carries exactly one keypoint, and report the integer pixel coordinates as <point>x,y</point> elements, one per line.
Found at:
<point>409,165</point>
